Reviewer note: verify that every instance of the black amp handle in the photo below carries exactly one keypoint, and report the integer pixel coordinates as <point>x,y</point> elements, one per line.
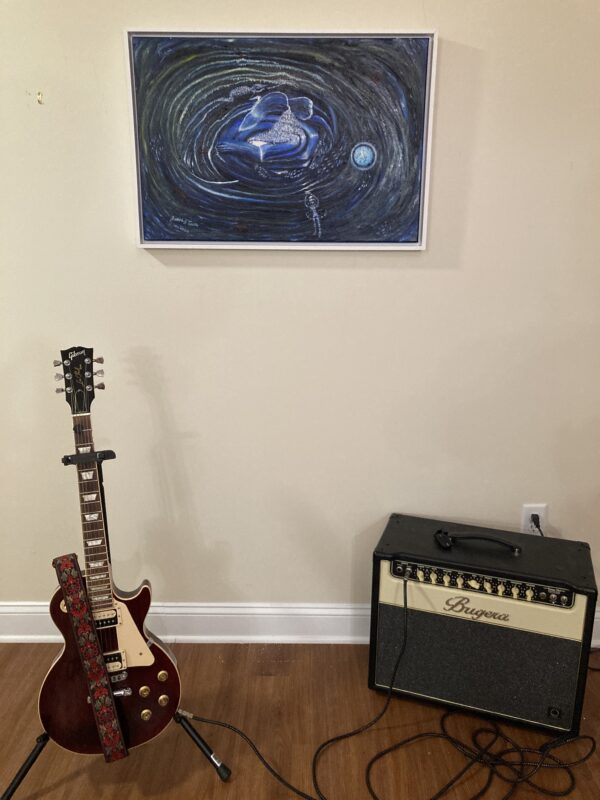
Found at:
<point>448,540</point>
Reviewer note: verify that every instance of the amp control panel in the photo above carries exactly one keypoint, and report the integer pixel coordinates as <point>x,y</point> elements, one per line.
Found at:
<point>558,596</point>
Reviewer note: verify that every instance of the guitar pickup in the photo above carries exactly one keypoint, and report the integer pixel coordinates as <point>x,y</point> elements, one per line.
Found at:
<point>107,619</point>
<point>115,662</point>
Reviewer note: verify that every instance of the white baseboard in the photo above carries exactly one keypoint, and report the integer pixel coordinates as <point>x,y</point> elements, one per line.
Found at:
<point>341,623</point>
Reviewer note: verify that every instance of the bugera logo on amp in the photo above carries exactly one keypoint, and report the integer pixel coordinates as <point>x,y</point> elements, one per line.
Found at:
<point>461,605</point>
<point>498,622</point>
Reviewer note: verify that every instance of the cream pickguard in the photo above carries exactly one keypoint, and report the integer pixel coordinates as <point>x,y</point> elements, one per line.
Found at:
<point>132,646</point>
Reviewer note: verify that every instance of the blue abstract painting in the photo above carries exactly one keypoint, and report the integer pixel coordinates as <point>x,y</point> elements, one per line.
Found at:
<point>270,140</point>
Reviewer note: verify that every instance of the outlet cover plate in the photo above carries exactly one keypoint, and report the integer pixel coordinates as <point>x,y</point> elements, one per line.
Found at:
<point>541,509</point>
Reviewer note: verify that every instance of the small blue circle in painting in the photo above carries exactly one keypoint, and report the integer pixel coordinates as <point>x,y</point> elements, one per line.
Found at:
<point>364,155</point>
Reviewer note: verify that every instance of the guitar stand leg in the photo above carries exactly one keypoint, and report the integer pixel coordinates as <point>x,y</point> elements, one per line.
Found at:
<point>40,743</point>
<point>222,770</point>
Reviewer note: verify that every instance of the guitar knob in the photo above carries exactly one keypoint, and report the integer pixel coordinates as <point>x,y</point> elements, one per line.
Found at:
<point>146,714</point>
<point>163,700</point>
<point>99,360</point>
<point>100,386</point>
<point>144,691</point>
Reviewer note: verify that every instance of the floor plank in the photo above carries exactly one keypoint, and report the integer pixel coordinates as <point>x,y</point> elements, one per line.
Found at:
<point>288,698</point>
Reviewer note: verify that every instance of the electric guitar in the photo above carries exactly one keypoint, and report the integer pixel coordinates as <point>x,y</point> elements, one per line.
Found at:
<point>143,675</point>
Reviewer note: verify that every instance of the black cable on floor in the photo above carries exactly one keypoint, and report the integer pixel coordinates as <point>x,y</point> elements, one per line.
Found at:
<point>511,763</point>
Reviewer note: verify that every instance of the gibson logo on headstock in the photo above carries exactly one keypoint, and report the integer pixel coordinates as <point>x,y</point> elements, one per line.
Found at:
<point>74,353</point>
<point>460,605</point>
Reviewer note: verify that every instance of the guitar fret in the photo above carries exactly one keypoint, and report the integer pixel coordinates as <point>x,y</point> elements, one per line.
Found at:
<point>95,539</point>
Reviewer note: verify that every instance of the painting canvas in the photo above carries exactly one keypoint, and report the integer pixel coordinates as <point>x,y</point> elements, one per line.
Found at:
<point>282,140</point>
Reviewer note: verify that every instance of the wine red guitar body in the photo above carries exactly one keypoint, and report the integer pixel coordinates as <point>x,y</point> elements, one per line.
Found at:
<point>142,674</point>
<point>64,709</point>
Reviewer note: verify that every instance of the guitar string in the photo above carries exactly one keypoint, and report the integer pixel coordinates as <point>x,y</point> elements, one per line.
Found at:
<point>106,636</point>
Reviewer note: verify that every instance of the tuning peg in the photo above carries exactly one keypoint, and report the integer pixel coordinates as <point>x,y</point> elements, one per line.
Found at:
<point>57,363</point>
<point>59,390</point>
<point>58,377</point>
<point>99,372</point>
<point>100,386</point>
<point>99,360</point>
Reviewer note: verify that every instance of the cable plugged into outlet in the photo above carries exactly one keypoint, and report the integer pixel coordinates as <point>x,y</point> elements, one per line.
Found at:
<point>533,518</point>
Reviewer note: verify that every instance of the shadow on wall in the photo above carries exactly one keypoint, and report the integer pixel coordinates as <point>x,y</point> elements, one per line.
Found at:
<point>173,542</point>
<point>456,110</point>
<point>363,545</point>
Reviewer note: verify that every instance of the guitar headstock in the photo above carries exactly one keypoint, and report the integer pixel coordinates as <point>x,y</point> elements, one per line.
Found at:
<point>78,374</point>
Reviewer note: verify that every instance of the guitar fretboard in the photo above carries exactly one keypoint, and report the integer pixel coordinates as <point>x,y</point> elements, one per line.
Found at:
<point>95,542</point>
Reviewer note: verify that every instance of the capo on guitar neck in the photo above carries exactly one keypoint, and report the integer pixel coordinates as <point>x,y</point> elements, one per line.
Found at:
<point>84,458</point>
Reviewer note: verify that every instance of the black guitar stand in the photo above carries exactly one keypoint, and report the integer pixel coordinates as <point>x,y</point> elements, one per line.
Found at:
<point>221,769</point>
<point>40,743</point>
<point>180,718</point>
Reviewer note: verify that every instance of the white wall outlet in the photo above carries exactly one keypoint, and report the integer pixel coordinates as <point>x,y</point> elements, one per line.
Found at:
<point>527,526</point>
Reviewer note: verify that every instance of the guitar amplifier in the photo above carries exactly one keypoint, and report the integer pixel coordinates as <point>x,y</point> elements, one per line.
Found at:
<point>498,623</point>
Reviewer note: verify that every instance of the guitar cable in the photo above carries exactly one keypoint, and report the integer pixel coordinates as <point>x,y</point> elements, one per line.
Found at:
<point>513,764</point>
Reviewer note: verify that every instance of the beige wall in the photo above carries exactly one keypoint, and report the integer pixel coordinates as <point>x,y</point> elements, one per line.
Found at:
<point>270,409</point>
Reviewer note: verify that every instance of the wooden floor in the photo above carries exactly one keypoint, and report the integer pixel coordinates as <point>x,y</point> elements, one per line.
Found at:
<point>288,698</point>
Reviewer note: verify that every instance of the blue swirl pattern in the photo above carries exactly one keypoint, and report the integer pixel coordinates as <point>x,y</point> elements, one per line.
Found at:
<point>251,139</point>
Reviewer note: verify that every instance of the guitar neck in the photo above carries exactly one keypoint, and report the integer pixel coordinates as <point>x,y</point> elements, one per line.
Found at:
<point>93,519</point>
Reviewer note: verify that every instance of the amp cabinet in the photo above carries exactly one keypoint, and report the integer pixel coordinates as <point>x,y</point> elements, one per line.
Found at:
<point>498,623</point>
